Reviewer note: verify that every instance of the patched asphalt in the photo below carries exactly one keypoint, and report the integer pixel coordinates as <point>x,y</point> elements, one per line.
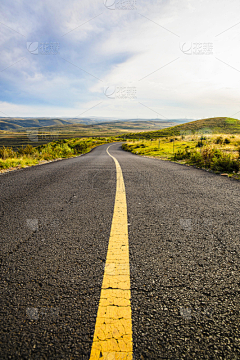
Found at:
<point>184,240</point>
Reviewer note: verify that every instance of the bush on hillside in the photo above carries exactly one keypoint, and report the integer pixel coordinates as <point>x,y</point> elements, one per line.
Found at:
<point>210,159</point>
<point>226,164</point>
<point>80,147</point>
<point>219,140</point>
<point>6,152</point>
<point>28,150</point>
<point>199,144</point>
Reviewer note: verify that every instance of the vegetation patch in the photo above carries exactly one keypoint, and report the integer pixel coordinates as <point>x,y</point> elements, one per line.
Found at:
<point>216,153</point>
<point>64,148</point>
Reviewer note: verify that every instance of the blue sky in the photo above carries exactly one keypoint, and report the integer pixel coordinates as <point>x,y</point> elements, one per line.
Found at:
<point>166,59</point>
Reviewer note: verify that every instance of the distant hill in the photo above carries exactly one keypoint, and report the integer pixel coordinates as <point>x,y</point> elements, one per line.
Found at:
<point>218,125</point>
<point>138,124</point>
<point>97,120</point>
<point>20,136</point>
<point>115,127</point>
<point>12,124</point>
<point>19,124</point>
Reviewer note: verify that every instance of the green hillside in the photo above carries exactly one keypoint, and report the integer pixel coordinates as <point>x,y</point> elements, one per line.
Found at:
<point>9,125</point>
<point>18,124</point>
<point>218,125</point>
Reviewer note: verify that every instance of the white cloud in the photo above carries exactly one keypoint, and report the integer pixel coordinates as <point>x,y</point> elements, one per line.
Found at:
<point>120,48</point>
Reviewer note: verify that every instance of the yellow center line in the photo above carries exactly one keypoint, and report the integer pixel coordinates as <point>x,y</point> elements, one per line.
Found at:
<point>113,330</point>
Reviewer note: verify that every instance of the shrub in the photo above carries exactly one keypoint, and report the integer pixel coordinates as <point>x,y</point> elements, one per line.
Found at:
<point>196,159</point>
<point>180,155</point>
<point>209,158</point>
<point>29,150</point>
<point>66,150</point>
<point>209,154</point>
<point>7,153</point>
<point>56,151</point>
<point>219,140</point>
<point>225,163</point>
<point>140,146</point>
<point>127,147</point>
<point>80,147</point>
<point>199,144</point>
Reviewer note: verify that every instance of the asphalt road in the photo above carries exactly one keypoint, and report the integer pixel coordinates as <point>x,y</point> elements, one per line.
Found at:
<point>184,244</point>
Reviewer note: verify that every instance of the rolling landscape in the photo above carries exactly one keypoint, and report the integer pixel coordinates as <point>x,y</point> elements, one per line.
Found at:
<point>26,130</point>
<point>212,143</point>
<point>21,132</point>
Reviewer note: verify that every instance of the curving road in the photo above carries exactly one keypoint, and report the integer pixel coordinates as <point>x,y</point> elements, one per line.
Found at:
<point>184,258</point>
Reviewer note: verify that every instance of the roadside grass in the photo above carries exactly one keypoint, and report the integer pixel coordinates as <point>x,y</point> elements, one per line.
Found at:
<point>65,148</point>
<point>217,153</point>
